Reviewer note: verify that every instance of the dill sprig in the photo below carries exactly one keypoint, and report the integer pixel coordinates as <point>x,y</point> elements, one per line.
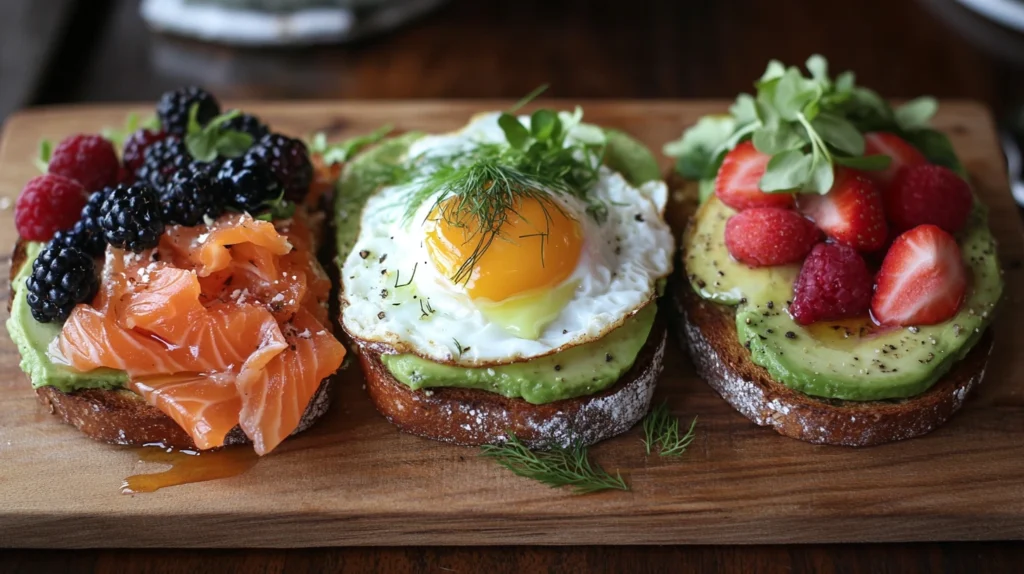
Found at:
<point>487,183</point>
<point>662,429</point>
<point>557,467</point>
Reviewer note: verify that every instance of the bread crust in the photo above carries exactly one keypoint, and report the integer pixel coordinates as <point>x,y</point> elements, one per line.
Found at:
<point>475,417</point>
<point>720,359</point>
<point>123,417</point>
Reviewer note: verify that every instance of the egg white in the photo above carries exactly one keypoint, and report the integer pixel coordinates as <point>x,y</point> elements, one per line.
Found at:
<point>392,293</point>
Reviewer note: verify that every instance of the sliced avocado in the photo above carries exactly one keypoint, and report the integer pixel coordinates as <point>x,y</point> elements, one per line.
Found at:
<point>33,339</point>
<point>579,371</point>
<point>631,158</point>
<point>715,275</point>
<point>849,360</point>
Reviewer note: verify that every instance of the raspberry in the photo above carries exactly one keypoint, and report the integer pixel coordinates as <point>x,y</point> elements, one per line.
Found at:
<point>834,283</point>
<point>130,217</point>
<point>136,145</point>
<point>62,277</point>
<point>250,183</point>
<point>763,236</point>
<point>48,204</point>
<point>928,194</point>
<point>288,158</point>
<point>174,107</point>
<point>87,159</point>
<point>162,160</point>
<point>249,124</point>
<point>194,192</point>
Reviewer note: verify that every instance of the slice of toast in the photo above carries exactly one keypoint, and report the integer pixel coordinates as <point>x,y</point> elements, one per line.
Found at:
<point>720,359</point>
<point>123,417</point>
<point>475,417</point>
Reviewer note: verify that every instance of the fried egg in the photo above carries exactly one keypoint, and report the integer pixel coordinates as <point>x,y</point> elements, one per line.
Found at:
<point>556,276</point>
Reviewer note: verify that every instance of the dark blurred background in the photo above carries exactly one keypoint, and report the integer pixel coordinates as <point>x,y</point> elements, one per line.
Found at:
<point>68,51</point>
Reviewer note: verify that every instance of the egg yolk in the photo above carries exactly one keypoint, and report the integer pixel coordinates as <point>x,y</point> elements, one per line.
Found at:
<point>537,247</point>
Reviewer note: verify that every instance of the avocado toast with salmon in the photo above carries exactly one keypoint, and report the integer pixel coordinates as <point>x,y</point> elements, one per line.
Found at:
<point>839,273</point>
<point>172,295</point>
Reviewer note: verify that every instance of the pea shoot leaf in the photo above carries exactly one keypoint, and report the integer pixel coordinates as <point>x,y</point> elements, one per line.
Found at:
<point>808,124</point>
<point>206,143</point>
<point>345,150</point>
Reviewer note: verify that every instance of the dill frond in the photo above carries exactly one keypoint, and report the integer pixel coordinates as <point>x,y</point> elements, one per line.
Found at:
<point>486,184</point>
<point>556,467</point>
<point>662,429</point>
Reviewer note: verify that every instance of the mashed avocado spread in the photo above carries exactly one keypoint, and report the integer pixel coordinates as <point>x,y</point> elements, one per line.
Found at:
<point>33,338</point>
<point>582,370</point>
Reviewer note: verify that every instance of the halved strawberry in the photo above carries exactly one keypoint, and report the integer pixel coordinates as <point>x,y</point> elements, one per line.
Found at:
<point>928,193</point>
<point>851,213</point>
<point>902,154</point>
<point>737,182</point>
<point>922,280</point>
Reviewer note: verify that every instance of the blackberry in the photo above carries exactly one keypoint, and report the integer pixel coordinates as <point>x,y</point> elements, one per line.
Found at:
<point>289,160</point>
<point>174,106</point>
<point>87,234</point>
<point>162,160</point>
<point>62,277</point>
<point>134,152</point>
<point>249,124</point>
<point>130,217</point>
<point>192,193</point>
<point>249,183</point>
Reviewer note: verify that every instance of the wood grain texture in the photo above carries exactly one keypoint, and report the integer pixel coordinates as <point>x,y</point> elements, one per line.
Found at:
<point>968,557</point>
<point>354,480</point>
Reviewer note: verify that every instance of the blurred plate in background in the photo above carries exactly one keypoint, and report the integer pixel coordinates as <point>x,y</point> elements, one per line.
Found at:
<point>1009,13</point>
<point>281,22</point>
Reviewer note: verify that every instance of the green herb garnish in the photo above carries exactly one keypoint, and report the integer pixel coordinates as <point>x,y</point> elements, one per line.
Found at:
<point>345,150</point>
<point>276,209</point>
<point>808,125</point>
<point>557,154</point>
<point>662,429</point>
<point>206,143</point>
<point>556,467</point>
<point>42,160</point>
<point>132,123</point>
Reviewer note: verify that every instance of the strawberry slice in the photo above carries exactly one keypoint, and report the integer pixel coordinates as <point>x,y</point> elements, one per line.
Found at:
<point>851,213</point>
<point>902,154</point>
<point>738,178</point>
<point>922,280</point>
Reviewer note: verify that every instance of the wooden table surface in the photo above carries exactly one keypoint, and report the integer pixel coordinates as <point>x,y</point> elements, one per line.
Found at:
<point>586,49</point>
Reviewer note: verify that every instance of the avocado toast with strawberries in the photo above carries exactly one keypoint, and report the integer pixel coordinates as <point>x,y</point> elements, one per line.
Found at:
<point>840,275</point>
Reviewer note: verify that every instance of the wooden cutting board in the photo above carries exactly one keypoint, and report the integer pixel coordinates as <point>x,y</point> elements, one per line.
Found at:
<point>354,480</point>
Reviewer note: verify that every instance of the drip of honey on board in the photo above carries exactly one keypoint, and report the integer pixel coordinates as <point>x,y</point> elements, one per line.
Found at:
<point>188,466</point>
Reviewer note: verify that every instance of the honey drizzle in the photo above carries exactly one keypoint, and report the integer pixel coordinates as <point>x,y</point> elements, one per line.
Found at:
<point>187,466</point>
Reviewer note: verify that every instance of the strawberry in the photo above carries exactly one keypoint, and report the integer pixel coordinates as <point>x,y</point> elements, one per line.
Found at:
<point>738,178</point>
<point>851,213</point>
<point>902,154</point>
<point>922,280</point>
<point>928,194</point>
<point>763,236</point>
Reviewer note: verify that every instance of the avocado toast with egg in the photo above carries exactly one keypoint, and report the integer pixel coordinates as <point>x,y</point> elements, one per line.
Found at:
<point>503,279</point>
<point>171,294</point>
<point>839,274</point>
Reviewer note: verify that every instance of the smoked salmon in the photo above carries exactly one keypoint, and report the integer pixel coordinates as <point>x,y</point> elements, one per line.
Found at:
<point>221,325</point>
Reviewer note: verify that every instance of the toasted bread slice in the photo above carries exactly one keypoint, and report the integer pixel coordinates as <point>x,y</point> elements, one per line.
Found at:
<point>475,417</point>
<point>720,359</point>
<point>123,417</point>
